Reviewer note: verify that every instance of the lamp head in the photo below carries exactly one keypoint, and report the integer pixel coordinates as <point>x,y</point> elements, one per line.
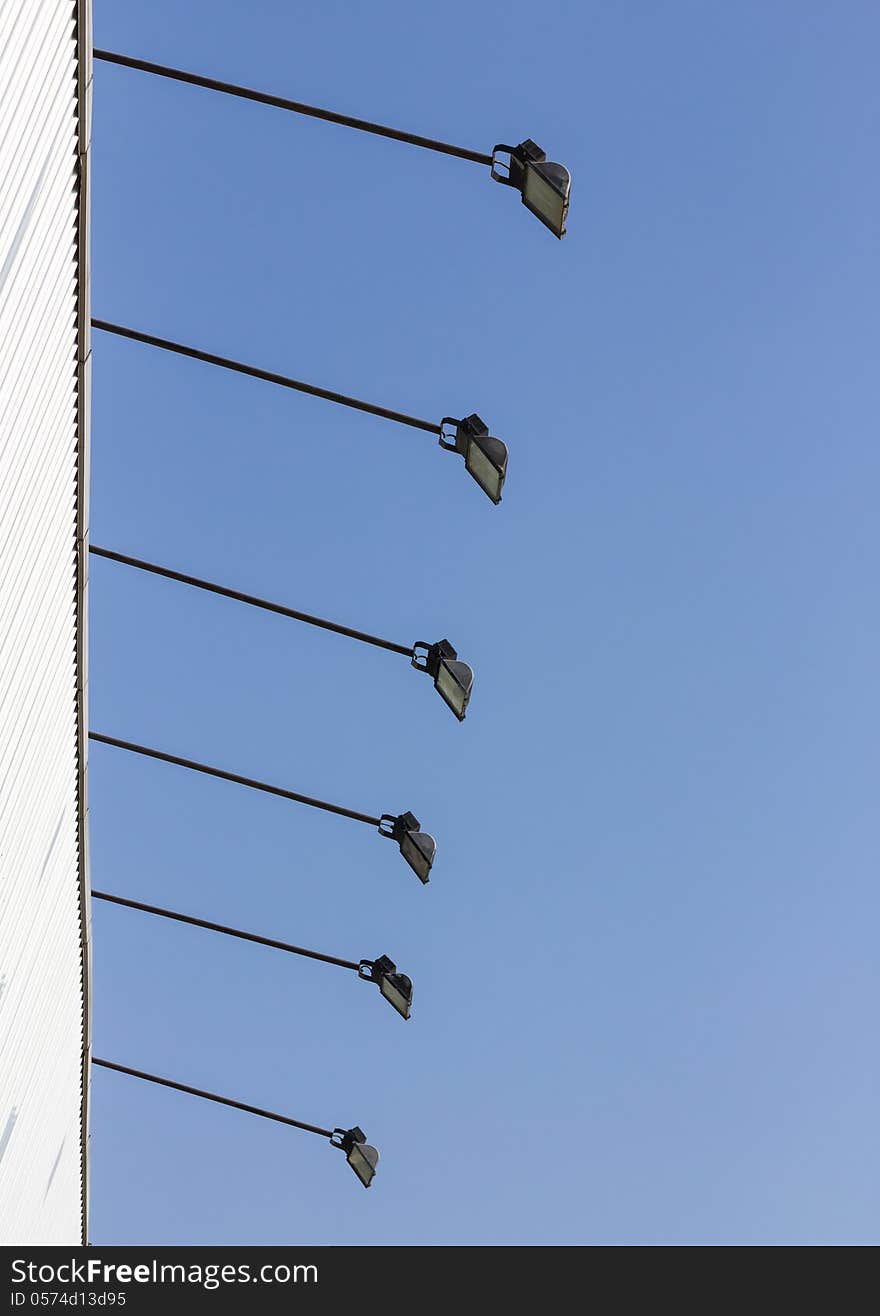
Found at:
<point>485,456</point>
<point>453,680</point>
<point>544,185</point>
<point>396,987</point>
<point>362,1158</point>
<point>417,847</point>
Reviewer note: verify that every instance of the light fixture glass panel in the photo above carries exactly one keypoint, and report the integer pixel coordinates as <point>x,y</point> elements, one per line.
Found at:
<point>401,1000</point>
<point>484,471</point>
<point>454,682</point>
<point>363,1159</point>
<point>546,190</point>
<point>418,850</point>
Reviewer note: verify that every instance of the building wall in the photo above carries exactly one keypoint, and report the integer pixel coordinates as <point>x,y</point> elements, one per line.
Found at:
<point>44,369</point>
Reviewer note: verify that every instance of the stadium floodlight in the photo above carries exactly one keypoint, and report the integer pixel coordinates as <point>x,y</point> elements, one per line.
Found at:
<point>544,185</point>
<point>453,680</point>
<point>416,846</point>
<point>485,457</point>
<point>362,1158</point>
<point>396,987</point>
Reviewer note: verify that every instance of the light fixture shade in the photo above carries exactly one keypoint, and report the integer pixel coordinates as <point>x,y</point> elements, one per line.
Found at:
<point>544,185</point>
<point>398,990</point>
<point>396,987</point>
<point>454,682</point>
<point>416,846</point>
<point>485,457</point>
<point>362,1158</point>
<point>418,849</point>
<point>486,461</point>
<point>546,191</point>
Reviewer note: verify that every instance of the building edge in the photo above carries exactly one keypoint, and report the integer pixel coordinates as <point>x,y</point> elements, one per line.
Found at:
<point>83,30</point>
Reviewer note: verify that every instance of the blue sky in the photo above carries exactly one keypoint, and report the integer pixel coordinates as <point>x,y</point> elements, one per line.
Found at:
<point>645,973</point>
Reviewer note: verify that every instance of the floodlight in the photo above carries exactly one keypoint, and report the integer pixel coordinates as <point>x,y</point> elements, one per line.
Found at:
<point>417,847</point>
<point>453,680</point>
<point>544,185</point>
<point>362,1158</point>
<point>485,457</point>
<point>395,987</point>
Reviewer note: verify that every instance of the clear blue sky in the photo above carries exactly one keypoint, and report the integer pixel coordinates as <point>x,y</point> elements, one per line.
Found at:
<point>645,974</point>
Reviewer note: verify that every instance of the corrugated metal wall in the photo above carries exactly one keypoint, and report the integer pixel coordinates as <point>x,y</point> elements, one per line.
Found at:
<point>44,85</point>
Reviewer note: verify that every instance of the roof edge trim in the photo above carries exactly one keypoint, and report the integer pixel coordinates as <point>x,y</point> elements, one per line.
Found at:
<point>83,34</point>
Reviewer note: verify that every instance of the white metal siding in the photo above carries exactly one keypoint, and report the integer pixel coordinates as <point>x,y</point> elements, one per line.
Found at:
<point>44,74</point>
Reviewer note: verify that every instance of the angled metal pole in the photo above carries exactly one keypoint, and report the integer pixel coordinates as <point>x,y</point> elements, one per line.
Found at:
<point>214,1096</point>
<point>408,651</point>
<point>296,107</point>
<point>235,777</point>
<point>270,376</point>
<point>227,931</point>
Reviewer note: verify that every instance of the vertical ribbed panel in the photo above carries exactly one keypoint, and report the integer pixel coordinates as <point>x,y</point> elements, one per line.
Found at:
<point>43,441</point>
